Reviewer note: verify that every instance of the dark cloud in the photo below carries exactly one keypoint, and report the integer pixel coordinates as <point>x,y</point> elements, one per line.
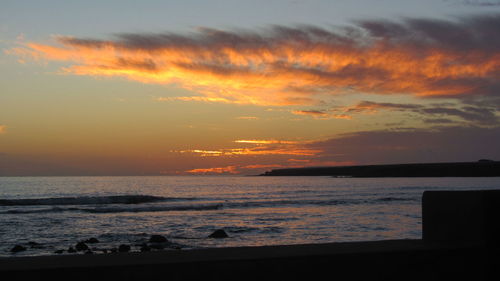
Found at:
<point>476,114</point>
<point>438,121</point>
<point>468,113</point>
<point>417,145</point>
<point>480,3</point>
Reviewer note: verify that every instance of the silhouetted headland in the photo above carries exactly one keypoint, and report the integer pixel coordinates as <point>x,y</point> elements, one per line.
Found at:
<point>481,168</point>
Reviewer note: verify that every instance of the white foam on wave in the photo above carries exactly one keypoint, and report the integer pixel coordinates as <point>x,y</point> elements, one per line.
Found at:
<point>118,209</point>
<point>87,200</point>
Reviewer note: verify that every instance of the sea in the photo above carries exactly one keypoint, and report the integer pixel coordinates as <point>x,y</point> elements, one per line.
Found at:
<point>47,214</point>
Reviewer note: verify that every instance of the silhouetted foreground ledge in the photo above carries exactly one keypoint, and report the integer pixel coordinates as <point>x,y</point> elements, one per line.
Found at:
<point>460,243</point>
<point>382,260</point>
<point>459,169</point>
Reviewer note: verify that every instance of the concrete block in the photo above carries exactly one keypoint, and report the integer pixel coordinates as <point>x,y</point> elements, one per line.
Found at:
<point>461,216</point>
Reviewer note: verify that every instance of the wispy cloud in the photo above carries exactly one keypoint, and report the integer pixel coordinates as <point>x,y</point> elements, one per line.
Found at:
<point>216,170</point>
<point>247,118</point>
<point>321,114</point>
<point>480,3</point>
<point>296,65</point>
<point>259,150</point>
<point>267,141</point>
<point>475,114</point>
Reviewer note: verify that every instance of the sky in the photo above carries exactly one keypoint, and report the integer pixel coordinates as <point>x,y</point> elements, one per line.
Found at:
<point>241,87</point>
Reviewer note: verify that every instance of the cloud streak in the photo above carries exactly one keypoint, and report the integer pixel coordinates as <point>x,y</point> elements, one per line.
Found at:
<point>475,114</point>
<point>298,65</point>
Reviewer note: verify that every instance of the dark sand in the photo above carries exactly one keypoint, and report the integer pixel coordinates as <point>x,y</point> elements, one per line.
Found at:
<point>377,260</point>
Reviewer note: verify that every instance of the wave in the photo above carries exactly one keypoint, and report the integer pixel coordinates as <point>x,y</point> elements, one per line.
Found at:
<point>317,202</point>
<point>88,200</point>
<point>103,210</point>
<point>121,204</point>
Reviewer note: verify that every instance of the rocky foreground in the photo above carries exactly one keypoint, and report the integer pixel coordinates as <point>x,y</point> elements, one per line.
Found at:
<point>92,245</point>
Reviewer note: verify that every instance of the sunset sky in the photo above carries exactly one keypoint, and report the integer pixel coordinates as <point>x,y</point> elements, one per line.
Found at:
<point>241,87</point>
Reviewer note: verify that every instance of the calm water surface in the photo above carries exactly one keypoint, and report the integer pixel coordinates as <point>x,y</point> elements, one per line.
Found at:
<point>59,211</point>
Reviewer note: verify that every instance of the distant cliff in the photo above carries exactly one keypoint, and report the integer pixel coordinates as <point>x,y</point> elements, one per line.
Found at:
<point>482,168</point>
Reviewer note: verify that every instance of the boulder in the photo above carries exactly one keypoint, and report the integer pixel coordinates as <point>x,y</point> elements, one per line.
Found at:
<point>124,248</point>
<point>17,248</point>
<point>92,240</point>
<point>89,252</point>
<point>157,239</point>
<point>71,250</point>
<point>81,246</point>
<point>145,248</point>
<point>58,251</point>
<point>219,233</point>
<point>157,246</point>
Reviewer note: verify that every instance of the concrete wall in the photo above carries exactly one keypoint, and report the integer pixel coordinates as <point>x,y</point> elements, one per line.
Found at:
<point>461,216</point>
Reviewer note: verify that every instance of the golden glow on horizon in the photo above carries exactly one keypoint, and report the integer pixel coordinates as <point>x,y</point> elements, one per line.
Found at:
<point>217,170</point>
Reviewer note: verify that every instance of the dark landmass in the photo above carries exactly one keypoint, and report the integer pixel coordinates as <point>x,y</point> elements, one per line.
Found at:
<point>482,168</point>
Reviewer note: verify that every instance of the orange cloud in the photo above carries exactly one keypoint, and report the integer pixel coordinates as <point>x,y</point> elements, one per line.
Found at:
<point>195,98</point>
<point>218,170</point>
<point>260,147</point>
<point>255,151</point>
<point>295,66</point>
<point>262,166</point>
<point>321,114</point>
<point>247,118</point>
<point>266,142</point>
<point>3,129</point>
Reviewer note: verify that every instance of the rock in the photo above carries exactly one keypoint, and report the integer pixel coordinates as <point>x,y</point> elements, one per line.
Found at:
<point>17,248</point>
<point>89,252</point>
<point>145,248</point>
<point>157,239</point>
<point>91,241</point>
<point>81,246</point>
<point>219,233</point>
<point>104,251</point>
<point>157,246</point>
<point>58,251</point>
<point>124,248</point>
<point>71,250</point>
<point>114,250</point>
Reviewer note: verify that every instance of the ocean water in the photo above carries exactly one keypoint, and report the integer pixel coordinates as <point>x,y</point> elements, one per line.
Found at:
<point>57,212</point>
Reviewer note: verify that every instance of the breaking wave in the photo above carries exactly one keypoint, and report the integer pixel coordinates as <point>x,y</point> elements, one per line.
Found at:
<point>88,200</point>
<point>103,210</point>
